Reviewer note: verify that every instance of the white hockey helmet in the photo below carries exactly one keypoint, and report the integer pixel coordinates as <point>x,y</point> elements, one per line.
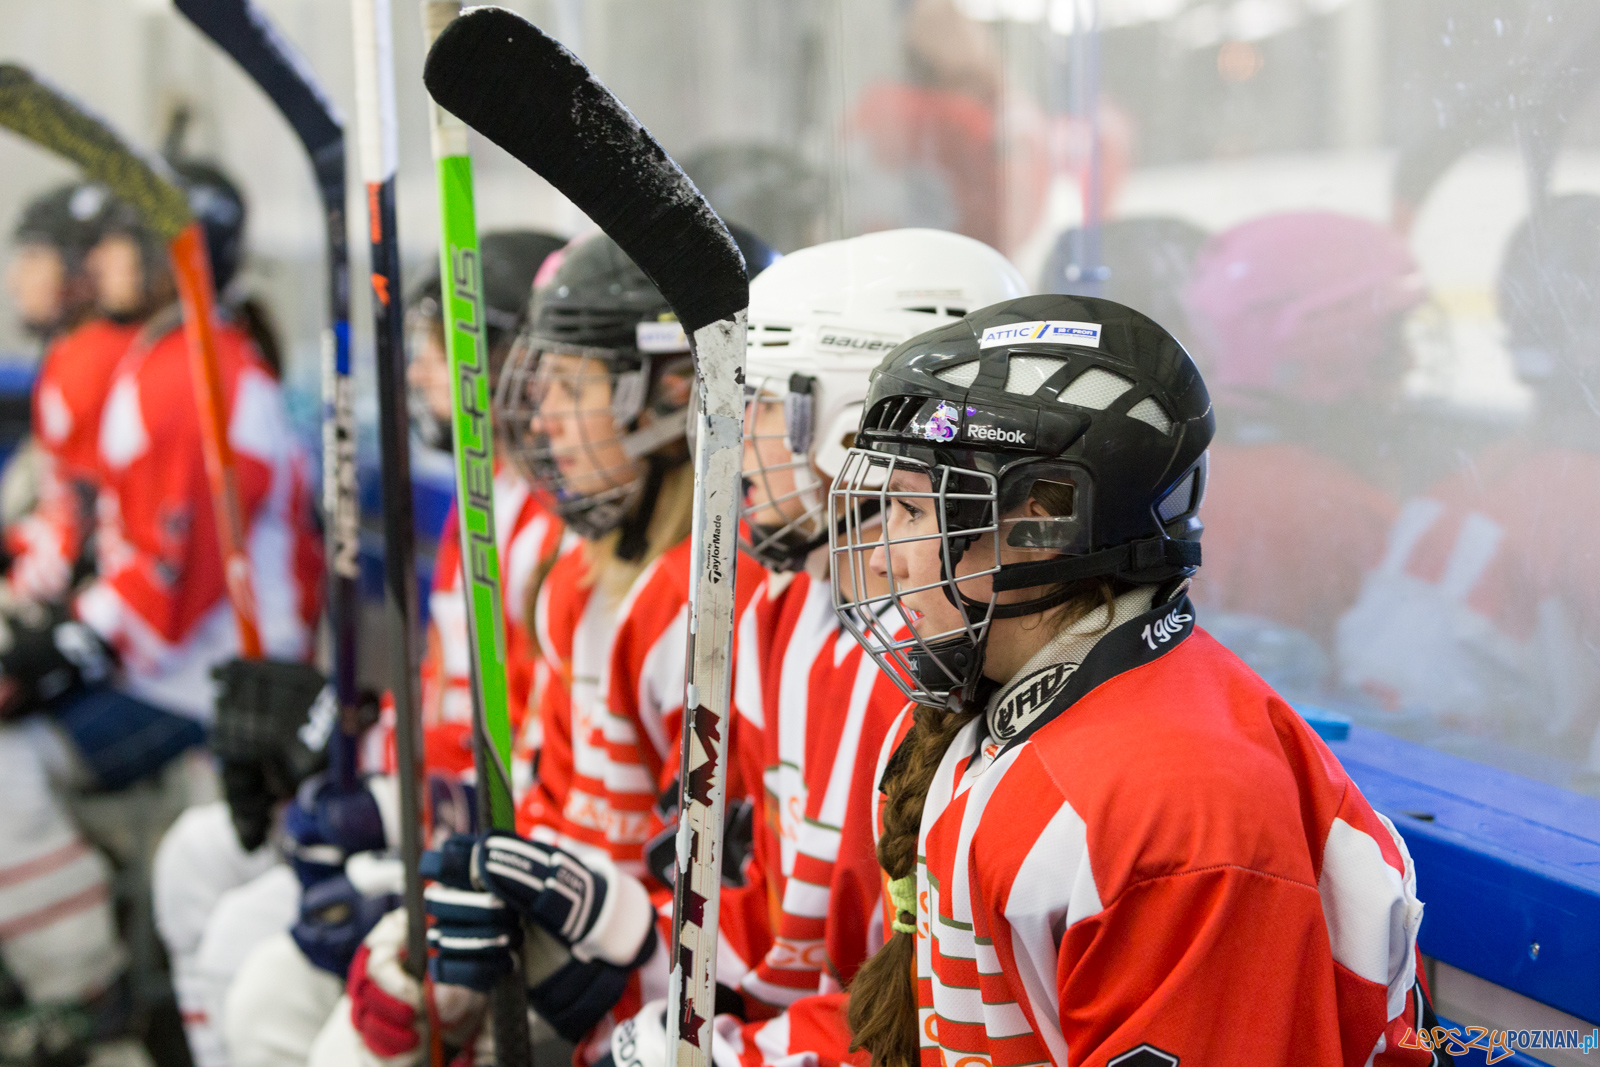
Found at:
<point>820,320</point>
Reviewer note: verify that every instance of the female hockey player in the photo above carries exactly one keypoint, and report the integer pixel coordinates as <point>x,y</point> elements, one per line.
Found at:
<point>1105,839</point>
<point>271,968</point>
<point>595,399</point>
<point>815,706</point>
<point>114,690</point>
<point>57,236</point>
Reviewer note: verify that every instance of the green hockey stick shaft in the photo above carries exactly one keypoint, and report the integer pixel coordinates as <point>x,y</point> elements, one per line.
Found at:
<point>472,438</point>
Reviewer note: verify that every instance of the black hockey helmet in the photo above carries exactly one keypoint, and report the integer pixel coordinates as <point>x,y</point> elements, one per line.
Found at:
<point>218,205</point>
<point>1080,400</point>
<point>600,308</point>
<point>69,218</point>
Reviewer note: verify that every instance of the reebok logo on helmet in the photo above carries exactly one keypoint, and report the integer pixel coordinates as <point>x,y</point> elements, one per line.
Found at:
<point>1048,332</point>
<point>995,434</point>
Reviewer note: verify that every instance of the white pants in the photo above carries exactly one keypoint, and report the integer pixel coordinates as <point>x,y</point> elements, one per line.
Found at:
<point>57,931</point>
<point>199,863</point>
<point>279,1002</point>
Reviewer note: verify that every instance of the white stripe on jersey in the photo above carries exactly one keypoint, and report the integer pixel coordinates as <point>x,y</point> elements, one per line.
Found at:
<point>812,630</point>
<point>662,683</point>
<point>747,684</point>
<point>1372,914</point>
<point>805,899</point>
<point>1033,909</point>
<point>837,798</point>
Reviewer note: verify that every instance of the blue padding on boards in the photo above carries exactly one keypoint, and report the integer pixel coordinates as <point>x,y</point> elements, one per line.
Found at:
<point>1504,864</point>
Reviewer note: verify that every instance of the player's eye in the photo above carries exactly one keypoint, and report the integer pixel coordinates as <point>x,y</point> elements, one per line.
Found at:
<point>910,510</point>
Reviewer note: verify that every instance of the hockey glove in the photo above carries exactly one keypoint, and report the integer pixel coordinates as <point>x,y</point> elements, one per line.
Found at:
<point>642,1040</point>
<point>326,825</point>
<point>45,654</point>
<point>386,1002</point>
<point>274,720</point>
<point>335,917</point>
<point>579,994</point>
<point>597,911</point>
<point>474,939</point>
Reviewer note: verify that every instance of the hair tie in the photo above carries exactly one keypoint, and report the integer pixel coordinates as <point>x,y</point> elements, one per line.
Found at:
<point>903,893</point>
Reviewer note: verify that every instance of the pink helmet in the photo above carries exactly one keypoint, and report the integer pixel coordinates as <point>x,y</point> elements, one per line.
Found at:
<point>1299,305</point>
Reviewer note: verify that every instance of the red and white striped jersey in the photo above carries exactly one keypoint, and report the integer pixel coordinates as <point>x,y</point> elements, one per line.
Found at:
<point>1160,854</point>
<point>813,710</point>
<point>611,730</point>
<point>527,536</point>
<point>69,394</point>
<point>159,597</point>
<point>611,719</point>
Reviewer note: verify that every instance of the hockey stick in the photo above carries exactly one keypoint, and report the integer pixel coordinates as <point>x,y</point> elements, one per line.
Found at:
<point>529,95</point>
<point>472,438</point>
<point>242,31</point>
<point>379,157</point>
<point>51,119</point>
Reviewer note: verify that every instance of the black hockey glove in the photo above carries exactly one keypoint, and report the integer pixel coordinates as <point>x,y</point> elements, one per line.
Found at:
<point>274,720</point>
<point>44,654</point>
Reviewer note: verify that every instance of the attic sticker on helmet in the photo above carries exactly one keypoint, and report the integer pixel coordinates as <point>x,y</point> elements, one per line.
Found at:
<point>1048,332</point>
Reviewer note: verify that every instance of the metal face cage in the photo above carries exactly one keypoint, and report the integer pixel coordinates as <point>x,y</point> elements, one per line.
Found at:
<point>564,412</point>
<point>940,667</point>
<point>785,505</point>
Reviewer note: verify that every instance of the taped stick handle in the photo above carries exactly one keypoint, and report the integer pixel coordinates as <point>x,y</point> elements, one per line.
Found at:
<point>192,271</point>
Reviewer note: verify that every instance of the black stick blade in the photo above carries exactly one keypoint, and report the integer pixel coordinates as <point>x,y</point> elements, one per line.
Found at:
<point>272,63</point>
<point>507,79</point>
<point>53,120</point>
<point>277,66</point>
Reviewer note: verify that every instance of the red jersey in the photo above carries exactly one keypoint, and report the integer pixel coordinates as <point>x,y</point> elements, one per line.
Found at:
<point>1485,609</point>
<point>611,719</point>
<point>527,536</point>
<point>159,597</point>
<point>68,395</point>
<point>1159,852</point>
<point>813,712</point>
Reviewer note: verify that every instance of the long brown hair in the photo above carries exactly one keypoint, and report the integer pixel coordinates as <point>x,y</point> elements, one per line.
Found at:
<point>883,996</point>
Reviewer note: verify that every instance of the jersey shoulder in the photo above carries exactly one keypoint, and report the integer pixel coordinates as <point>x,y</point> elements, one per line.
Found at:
<point>1188,762</point>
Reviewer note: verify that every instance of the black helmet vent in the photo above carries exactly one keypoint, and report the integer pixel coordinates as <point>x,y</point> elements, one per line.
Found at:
<point>892,415</point>
<point>961,376</point>
<point>1147,410</point>
<point>1025,374</point>
<point>1096,388</point>
<point>1181,500</point>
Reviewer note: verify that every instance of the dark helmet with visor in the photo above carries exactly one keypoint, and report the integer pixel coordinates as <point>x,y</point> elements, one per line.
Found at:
<point>598,322</point>
<point>1083,404</point>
